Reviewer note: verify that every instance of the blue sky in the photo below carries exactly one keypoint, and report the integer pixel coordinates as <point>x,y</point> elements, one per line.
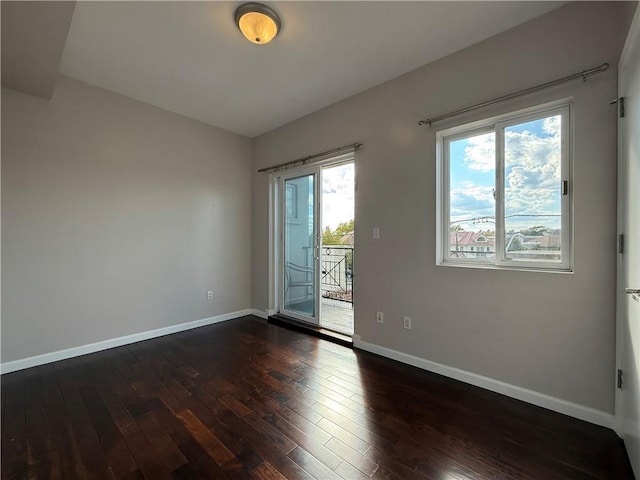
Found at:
<point>532,176</point>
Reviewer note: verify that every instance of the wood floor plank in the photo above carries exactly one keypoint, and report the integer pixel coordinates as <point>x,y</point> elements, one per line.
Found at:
<point>117,454</point>
<point>201,461</point>
<point>185,472</point>
<point>274,436</point>
<point>161,442</point>
<point>348,471</point>
<point>355,458</point>
<point>344,435</point>
<point>312,465</point>
<point>310,437</point>
<point>394,464</point>
<point>62,445</point>
<point>40,458</point>
<point>212,445</point>
<point>266,450</point>
<point>302,423</point>
<point>431,460</point>
<point>150,464</point>
<point>360,429</point>
<point>234,405</point>
<point>243,452</point>
<point>248,400</point>
<point>266,471</point>
<point>14,434</point>
<point>71,376</point>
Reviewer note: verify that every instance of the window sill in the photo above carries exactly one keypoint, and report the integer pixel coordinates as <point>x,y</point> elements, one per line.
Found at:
<point>516,268</point>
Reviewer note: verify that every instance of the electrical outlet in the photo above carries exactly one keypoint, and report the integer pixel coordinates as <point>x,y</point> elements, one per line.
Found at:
<point>380,317</point>
<point>375,233</point>
<point>210,295</point>
<point>407,323</point>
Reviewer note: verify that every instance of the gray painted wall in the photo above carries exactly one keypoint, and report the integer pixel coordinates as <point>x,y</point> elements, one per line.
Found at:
<point>551,333</point>
<point>117,217</point>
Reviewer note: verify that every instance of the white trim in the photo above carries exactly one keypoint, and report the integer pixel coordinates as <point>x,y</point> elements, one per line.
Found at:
<point>633,37</point>
<point>260,313</point>
<point>274,242</point>
<point>540,399</point>
<point>34,361</point>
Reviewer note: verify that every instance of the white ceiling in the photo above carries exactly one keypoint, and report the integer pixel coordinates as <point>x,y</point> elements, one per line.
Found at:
<point>189,57</point>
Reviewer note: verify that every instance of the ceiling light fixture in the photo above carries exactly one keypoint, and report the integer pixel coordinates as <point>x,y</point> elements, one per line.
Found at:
<point>258,22</point>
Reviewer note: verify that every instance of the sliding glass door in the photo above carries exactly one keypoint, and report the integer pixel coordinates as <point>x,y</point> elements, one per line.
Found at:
<point>313,244</point>
<point>300,287</point>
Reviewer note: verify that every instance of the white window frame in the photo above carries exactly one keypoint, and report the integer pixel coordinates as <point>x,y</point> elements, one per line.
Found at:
<point>498,124</point>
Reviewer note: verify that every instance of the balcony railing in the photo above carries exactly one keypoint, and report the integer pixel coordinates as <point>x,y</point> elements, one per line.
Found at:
<point>337,273</point>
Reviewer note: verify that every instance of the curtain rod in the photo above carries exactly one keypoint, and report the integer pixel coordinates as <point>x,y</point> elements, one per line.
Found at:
<point>583,74</point>
<point>309,159</point>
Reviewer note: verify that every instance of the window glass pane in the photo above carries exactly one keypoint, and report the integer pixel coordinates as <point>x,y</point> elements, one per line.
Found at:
<point>471,197</point>
<point>532,190</point>
<point>299,266</point>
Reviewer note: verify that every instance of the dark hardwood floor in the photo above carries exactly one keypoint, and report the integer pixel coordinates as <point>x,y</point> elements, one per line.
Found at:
<point>247,400</point>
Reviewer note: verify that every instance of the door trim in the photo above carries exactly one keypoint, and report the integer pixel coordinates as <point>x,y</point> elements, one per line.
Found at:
<point>633,37</point>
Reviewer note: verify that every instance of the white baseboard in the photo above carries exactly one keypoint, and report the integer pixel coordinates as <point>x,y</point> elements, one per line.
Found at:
<point>575,410</point>
<point>29,362</point>
<point>259,313</point>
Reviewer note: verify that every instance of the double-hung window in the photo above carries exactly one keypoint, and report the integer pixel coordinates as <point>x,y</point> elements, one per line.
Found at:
<point>504,191</point>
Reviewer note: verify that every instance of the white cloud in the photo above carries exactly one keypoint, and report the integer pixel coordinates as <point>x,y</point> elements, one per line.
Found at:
<point>472,201</point>
<point>532,174</point>
<point>532,170</point>
<point>480,154</point>
<point>338,195</point>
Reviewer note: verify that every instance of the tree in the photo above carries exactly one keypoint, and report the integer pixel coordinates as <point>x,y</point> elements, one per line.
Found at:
<point>334,237</point>
<point>344,228</point>
<point>328,236</point>
<point>516,245</point>
<point>536,231</point>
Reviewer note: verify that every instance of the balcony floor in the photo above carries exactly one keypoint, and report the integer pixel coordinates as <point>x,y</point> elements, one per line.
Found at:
<point>337,315</point>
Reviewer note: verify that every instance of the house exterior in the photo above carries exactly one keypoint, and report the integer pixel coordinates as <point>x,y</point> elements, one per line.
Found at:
<point>517,245</point>
<point>471,244</point>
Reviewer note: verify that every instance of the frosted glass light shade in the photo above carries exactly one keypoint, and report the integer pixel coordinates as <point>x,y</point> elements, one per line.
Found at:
<point>257,22</point>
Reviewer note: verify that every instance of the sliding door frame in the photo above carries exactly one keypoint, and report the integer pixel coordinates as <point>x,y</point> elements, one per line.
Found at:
<point>314,171</point>
<point>276,230</point>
